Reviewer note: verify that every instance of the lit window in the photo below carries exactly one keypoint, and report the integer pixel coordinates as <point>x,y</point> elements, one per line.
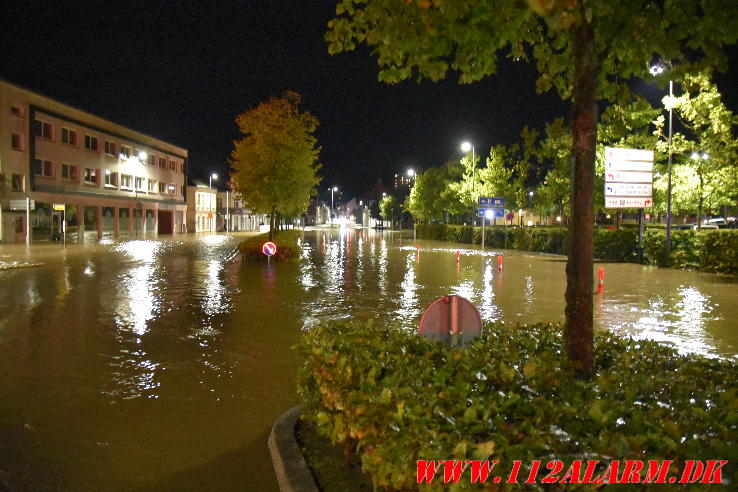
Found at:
<point>43,168</point>
<point>91,143</point>
<point>18,182</point>
<point>140,184</point>
<point>90,176</point>
<point>43,129</point>
<point>126,151</point>
<point>68,136</point>
<point>126,180</point>
<point>16,141</point>
<point>69,171</point>
<point>111,179</point>
<point>111,148</point>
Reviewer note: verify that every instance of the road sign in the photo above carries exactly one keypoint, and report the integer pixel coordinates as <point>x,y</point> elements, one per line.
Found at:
<point>629,189</point>
<point>269,248</point>
<point>628,177</point>
<point>628,166</point>
<point>491,213</point>
<point>510,216</point>
<point>59,207</point>
<point>627,202</point>
<point>451,319</point>
<point>491,202</point>
<point>21,204</point>
<point>617,154</point>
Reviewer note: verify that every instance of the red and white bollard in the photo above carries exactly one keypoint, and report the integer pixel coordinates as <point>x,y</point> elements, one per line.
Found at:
<point>499,263</point>
<point>601,282</point>
<point>458,256</point>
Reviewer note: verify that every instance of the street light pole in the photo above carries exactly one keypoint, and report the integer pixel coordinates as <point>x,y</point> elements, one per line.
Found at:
<point>668,185</point>
<point>212,177</point>
<point>335,188</point>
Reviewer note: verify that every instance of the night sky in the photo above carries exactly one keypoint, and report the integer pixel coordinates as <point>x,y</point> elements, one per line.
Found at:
<point>183,71</point>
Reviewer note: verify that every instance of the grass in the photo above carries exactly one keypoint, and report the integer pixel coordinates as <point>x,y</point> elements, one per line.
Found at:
<point>286,242</point>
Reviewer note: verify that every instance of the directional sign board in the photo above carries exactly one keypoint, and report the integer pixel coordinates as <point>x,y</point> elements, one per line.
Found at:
<point>628,178</point>
<point>491,202</point>
<point>269,248</point>
<point>491,213</point>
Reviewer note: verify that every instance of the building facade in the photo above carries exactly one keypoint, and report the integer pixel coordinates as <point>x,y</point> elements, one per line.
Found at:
<point>235,215</point>
<point>68,173</point>
<point>202,208</point>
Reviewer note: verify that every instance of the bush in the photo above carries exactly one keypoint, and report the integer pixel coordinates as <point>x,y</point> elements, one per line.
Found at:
<point>397,398</point>
<point>713,251</point>
<point>286,242</point>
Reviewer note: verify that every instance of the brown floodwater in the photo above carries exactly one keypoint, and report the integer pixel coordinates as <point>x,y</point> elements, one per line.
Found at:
<point>161,364</point>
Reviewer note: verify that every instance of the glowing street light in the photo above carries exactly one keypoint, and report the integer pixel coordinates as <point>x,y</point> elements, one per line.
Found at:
<point>466,147</point>
<point>411,172</point>
<point>213,177</point>
<point>696,156</point>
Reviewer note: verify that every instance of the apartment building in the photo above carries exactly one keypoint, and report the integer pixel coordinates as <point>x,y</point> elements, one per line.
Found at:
<point>235,215</point>
<point>202,211</point>
<point>64,170</point>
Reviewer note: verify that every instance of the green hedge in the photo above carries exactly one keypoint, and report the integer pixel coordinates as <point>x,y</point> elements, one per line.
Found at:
<point>395,398</point>
<point>713,251</point>
<point>286,242</point>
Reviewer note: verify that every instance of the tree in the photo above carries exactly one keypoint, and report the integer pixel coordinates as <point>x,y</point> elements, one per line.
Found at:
<point>707,151</point>
<point>583,48</point>
<point>387,207</point>
<point>274,165</point>
<point>435,192</point>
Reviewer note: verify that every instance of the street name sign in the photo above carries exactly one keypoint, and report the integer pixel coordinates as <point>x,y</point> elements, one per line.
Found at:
<point>491,202</point>
<point>490,213</point>
<point>628,178</point>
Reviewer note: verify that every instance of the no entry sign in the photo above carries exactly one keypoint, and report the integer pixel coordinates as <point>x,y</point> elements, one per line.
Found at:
<point>269,248</point>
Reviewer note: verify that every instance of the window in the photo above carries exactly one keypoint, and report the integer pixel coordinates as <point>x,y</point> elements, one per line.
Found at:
<point>126,151</point>
<point>162,187</point>
<point>152,186</point>
<point>152,160</point>
<point>91,143</point>
<point>43,129</point>
<point>111,148</point>
<point>90,176</point>
<point>68,136</point>
<point>18,111</point>
<point>172,166</point>
<point>140,183</point>
<point>43,168</point>
<point>18,182</point>
<point>69,172</point>
<point>171,188</point>
<point>162,162</point>
<point>125,181</point>
<point>111,179</point>
<point>16,141</point>
<point>181,168</point>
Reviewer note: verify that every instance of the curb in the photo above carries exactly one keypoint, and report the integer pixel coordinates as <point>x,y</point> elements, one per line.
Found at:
<point>293,474</point>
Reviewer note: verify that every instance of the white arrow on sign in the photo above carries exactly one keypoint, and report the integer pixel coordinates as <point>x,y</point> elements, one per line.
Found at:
<point>624,202</point>
<point>628,177</point>
<point>629,189</point>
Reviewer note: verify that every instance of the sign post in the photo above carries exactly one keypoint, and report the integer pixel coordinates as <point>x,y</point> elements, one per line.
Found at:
<point>269,248</point>
<point>629,182</point>
<point>490,208</point>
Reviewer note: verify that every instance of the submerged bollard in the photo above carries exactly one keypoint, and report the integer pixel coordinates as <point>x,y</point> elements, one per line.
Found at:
<point>601,282</point>
<point>499,263</point>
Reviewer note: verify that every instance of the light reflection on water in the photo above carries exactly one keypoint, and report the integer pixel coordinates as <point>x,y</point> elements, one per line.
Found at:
<point>175,349</point>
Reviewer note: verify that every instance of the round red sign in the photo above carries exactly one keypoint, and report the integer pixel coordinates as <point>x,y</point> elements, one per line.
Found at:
<point>269,248</point>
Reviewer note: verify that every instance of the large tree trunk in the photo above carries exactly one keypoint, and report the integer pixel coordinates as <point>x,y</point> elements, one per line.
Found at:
<point>578,336</point>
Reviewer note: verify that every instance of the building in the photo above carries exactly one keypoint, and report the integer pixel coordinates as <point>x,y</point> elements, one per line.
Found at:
<point>202,210</point>
<point>235,215</point>
<point>61,166</point>
<point>403,180</point>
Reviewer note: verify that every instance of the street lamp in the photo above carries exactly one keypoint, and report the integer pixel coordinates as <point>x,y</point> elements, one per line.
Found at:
<point>466,147</point>
<point>212,177</point>
<point>658,69</point>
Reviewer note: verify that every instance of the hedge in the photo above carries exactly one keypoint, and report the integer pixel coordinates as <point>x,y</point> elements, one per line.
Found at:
<point>709,250</point>
<point>395,398</point>
<point>286,242</point>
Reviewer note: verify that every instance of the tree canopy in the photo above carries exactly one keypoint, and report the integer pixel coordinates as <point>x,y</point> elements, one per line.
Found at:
<point>584,49</point>
<point>274,166</point>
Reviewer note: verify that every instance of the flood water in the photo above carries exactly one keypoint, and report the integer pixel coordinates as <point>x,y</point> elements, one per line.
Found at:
<point>162,364</point>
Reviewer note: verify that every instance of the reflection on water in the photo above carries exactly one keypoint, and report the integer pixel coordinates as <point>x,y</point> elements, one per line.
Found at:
<point>155,363</point>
